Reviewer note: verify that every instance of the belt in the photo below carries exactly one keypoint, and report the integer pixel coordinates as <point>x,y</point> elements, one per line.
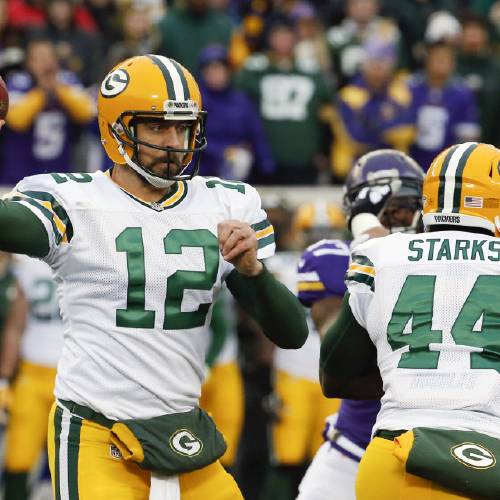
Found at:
<point>345,446</point>
<point>390,435</point>
<point>87,413</point>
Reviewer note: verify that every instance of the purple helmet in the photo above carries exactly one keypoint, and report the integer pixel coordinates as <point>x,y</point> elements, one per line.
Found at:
<point>386,167</point>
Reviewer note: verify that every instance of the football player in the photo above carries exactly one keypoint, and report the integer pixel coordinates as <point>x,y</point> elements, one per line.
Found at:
<point>298,406</point>
<point>420,325</point>
<point>13,312</point>
<point>321,287</point>
<point>33,388</point>
<point>222,391</point>
<point>140,253</point>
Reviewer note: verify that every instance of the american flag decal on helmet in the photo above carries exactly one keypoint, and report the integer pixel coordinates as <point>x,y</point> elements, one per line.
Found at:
<point>473,202</point>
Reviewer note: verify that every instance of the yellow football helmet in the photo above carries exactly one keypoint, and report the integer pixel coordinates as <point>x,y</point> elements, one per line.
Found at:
<point>462,188</point>
<point>150,87</point>
<point>318,220</point>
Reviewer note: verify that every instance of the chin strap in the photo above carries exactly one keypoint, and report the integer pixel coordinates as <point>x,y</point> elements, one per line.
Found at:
<point>152,179</point>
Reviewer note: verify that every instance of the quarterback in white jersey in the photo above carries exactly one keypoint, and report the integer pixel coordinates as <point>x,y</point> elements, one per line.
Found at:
<point>421,310</point>
<point>140,253</point>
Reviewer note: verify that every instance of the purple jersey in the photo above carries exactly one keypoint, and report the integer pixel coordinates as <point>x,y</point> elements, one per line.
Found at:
<point>444,117</point>
<point>321,271</point>
<point>321,274</point>
<point>46,146</point>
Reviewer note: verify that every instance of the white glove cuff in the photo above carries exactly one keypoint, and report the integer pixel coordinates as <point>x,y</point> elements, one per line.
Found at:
<point>363,222</point>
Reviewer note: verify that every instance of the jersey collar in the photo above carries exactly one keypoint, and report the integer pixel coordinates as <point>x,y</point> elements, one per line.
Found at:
<point>173,198</point>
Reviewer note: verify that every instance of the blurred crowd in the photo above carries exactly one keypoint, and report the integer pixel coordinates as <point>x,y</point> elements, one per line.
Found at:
<point>295,90</point>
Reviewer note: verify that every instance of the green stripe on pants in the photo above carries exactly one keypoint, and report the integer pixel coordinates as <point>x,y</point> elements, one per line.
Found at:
<point>57,437</point>
<point>75,428</point>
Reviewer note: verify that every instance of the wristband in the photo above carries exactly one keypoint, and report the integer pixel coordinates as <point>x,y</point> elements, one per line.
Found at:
<point>363,222</point>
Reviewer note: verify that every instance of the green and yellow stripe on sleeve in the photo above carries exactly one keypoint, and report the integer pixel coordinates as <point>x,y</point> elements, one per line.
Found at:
<point>361,270</point>
<point>48,206</point>
<point>265,233</point>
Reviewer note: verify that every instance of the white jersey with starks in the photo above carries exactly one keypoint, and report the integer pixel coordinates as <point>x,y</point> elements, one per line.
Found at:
<point>42,338</point>
<point>136,283</point>
<point>430,305</point>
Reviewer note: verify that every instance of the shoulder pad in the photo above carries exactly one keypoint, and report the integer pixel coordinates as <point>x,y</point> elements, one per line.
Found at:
<point>354,96</point>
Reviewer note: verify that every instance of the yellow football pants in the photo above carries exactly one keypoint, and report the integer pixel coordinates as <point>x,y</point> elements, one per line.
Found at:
<point>85,466</point>
<point>32,398</point>
<point>222,397</point>
<point>382,476</point>
<point>298,433</point>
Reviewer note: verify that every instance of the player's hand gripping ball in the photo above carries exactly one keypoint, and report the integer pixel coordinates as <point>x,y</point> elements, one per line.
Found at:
<point>4,99</point>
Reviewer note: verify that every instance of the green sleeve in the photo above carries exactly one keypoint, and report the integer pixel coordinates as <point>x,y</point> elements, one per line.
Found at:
<point>277,311</point>
<point>218,329</point>
<point>347,350</point>
<point>21,231</point>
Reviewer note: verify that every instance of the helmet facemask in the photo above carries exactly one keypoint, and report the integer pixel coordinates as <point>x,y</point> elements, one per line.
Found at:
<point>124,131</point>
<point>402,213</point>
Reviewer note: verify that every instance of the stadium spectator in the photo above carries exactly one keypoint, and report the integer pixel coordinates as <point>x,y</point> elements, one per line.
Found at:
<point>47,109</point>
<point>29,14</point>
<point>137,37</point>
<point>11,53</point>
<point>412,18</point>
<point>374,111</point>
<point>186,29</point>
<point>77,50</point>
<point>311,45</point>
<point>106,15</point>
<point>346,40</point>
<point>237,147</point>
<point>445,107</point>
<point>480,69</point>
<point>292,98</point>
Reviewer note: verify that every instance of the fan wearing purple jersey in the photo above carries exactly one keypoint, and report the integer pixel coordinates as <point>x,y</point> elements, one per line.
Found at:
<point>382,195</point>
<point>445,108</point>
<point>48,109</point>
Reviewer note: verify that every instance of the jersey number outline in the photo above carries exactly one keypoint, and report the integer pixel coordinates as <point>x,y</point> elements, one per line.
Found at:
<point>475,325</point>
<point>131,242</point>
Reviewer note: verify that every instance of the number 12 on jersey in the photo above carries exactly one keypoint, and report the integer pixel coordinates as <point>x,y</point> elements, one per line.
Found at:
<point>477,323</point>
<point>136,315</point>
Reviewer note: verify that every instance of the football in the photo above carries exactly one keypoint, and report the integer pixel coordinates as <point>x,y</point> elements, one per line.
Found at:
<point>4,99</point>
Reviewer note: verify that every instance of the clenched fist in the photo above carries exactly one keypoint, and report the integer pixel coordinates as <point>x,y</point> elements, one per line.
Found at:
<point>238,245</point>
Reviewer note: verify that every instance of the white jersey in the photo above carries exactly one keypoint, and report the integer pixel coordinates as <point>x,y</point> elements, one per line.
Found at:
<point>430,305</point>
<point>301,362</point>
<point>42,339</point>
<point>136,283</point>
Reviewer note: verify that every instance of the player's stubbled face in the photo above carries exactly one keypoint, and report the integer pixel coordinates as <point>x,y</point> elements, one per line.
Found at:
<point>162,133</point>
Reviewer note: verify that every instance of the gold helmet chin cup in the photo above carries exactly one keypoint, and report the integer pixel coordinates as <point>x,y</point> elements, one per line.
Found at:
<point>462,188</point>
<point>142,87</point>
